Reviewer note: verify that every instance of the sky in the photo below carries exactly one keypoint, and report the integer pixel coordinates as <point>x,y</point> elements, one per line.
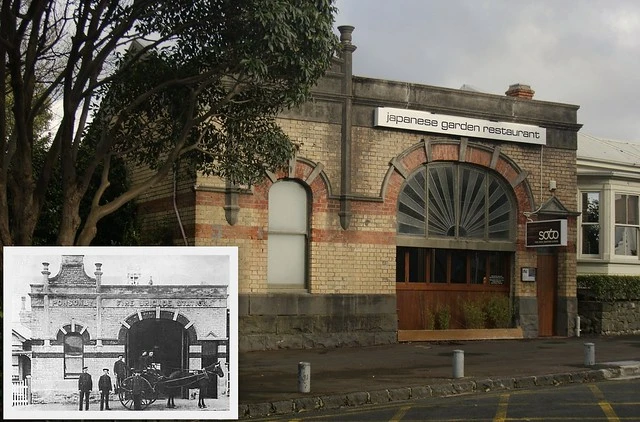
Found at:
<point>582,52</point>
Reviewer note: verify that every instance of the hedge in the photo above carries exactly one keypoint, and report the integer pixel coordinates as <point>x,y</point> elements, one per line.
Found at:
<point>609,288</point>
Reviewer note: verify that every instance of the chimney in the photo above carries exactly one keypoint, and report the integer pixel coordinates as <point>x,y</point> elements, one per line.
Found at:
<point>520,91</point>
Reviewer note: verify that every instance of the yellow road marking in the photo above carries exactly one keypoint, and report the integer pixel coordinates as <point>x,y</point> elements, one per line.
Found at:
<point>603,403</point>
<point>503,404</point>
<point>400,414</point>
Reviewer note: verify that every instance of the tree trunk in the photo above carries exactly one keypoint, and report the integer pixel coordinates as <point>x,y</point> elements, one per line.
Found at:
<point>70,219</point>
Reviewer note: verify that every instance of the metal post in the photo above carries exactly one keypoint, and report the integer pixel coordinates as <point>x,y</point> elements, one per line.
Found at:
<point>304,377</point>
<point>458,363</point>
<point>589,354</point>
<point>577,325</point>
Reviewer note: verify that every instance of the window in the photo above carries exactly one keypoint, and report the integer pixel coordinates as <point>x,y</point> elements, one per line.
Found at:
<point>288,235</point>
<point>627,224</point>
<point>453,266</point>
<point>455,226</point>
<point>73,355</point>
<point>590,223</point>
<point>455,201</point>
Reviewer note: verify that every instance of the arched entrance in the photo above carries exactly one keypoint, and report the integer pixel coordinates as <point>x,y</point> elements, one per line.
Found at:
<point>171,336</point>
<point>455,243</point>
<point>168,340</point>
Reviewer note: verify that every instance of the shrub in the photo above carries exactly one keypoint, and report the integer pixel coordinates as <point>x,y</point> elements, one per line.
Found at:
<point>474,315</point>
<point>429,320</point>
<point>443,317</point>
<point>609,288</point>
<point>498,311</point>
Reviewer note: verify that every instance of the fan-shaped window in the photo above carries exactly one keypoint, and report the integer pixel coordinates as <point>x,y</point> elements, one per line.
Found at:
<point>455,201</point>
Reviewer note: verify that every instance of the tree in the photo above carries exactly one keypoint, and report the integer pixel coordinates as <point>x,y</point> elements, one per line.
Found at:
<point>151,82</point>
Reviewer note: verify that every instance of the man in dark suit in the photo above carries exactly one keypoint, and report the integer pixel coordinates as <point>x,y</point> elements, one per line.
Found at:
<point>104,385</point>
<point>84,386</point>
<point>120,370</point>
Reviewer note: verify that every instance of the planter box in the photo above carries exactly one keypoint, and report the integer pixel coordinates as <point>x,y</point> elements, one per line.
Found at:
<point>470,334</point>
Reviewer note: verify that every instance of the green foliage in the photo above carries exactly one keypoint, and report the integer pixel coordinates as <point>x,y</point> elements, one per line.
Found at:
<point>498,311</point>
<point>429,320</point>
<point>609,288</point>
<point>442,318</point>
<point>262,57</point>
<point>474,314</point>
<point>201,82</point>
<point>116,229</point>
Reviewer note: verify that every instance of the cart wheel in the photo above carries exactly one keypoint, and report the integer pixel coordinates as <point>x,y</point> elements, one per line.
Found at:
<point>149,394</point>
<point>125,393</point>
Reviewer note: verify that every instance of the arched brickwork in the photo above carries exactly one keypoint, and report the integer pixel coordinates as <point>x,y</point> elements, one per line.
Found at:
<point>423,152</point>
<point>310,174</point>
<point>153,314</point>
<point>73,327</point>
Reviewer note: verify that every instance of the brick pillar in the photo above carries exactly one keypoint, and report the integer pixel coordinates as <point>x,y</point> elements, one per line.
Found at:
<point>345,152</point>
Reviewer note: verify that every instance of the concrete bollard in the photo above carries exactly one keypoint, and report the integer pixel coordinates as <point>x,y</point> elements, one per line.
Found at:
<point>458,363</point>
<point>304,377</point>
<point>589,354</point>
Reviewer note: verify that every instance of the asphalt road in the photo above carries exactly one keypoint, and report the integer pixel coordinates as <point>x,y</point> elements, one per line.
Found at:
<point>616,400</point>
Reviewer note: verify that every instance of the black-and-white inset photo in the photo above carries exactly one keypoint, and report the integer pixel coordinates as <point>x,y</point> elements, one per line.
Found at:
<point>120,332</point>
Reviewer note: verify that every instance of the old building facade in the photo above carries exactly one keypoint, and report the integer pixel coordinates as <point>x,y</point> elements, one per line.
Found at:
<point>402,199</point>
<point>76,321</point>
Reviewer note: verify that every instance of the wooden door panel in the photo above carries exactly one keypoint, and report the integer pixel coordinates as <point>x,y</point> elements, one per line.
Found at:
<point>417,306</point>
<point>547,281</point>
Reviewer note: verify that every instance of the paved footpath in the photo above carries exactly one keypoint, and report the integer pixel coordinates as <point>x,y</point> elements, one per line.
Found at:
<point>268,380</point>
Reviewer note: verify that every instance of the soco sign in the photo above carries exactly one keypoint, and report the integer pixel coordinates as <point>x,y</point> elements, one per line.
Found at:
<point>547,233</point>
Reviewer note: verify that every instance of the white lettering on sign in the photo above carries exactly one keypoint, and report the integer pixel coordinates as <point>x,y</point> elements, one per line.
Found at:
<point>549,235</point>
<point>455,125</point>
<point>72,303</point>
<point>546,233</point>
<point>164,303</point>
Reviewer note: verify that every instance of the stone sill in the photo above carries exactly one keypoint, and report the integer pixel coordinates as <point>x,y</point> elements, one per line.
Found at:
<point>463,334</point>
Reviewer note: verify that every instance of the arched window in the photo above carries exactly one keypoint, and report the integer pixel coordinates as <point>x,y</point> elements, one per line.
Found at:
<point>455,225</point>
<point>455,201</point>
<point>288,235</point>
<point>73,355</point>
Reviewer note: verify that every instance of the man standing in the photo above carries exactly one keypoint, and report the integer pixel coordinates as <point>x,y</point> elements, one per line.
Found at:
<point>84,386</point>
<point>120,370</point>
<point>104,385</point>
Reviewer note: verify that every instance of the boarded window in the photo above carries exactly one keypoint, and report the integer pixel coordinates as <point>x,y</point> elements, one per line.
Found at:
<point>73,355</point>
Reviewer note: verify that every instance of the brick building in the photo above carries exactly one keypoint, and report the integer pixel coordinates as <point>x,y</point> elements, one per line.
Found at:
<point>403,199</point>
<point>77,321</point>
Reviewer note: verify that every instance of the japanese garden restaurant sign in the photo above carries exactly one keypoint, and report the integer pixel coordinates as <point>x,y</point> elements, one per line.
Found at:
<point>546,233</point>
<point>423,121</point>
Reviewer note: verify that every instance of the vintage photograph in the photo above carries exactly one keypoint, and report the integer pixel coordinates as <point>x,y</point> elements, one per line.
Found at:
<point>121,332</point>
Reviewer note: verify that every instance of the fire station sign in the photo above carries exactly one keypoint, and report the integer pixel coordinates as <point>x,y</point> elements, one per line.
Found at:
<point>546,233</point>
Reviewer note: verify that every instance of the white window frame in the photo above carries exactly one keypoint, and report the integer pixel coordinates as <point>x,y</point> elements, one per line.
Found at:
<point>288,236</point>
<point>625,225</point>
<point>601,226</point>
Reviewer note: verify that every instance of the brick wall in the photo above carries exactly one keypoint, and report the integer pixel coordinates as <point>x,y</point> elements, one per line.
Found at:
<point>356,255</point>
